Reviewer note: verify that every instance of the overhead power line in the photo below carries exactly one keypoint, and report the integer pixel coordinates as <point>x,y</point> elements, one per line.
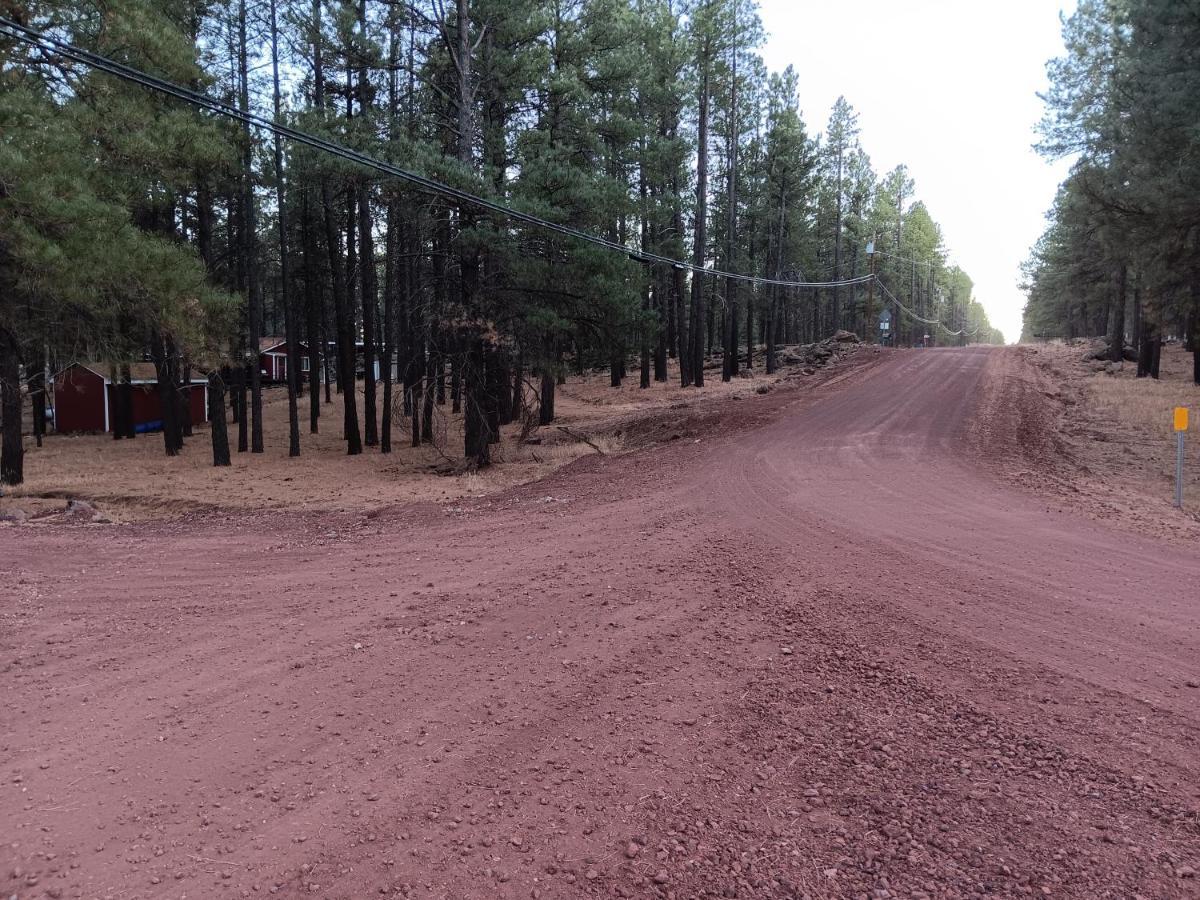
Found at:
<point>50,44</point>
<point>923,263</point>
<point>907,311</point>
<point>919,318</point>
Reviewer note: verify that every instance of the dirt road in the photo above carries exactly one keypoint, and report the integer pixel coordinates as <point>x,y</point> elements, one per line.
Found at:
<point>824,653</point>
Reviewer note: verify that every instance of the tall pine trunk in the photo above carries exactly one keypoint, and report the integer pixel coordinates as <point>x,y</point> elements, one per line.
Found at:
<point>368,280</point>
<point>390,287</point>
<point>476,430</point>
<point>125,391</point>
<point>518,389</point>
<point>285,296</point>
<point>116,420</point>
<point>37,391</point>
<point>250,242</point>
<point>493,385</point>
<point>696,323</point>
<point>393,243</point>
<point>429,394</point>
<point>370,301</point>
<point>1148,348</point>
<point>312,310</point>
<point>729,366</point>
<point>216,417</point>
<point>678,298</point>
<point>345,326</point>
<point>1194,316</point>
<point>1116,316</point>
<point>546,370</point>
<point>183,397</point>
<point>12,448</point>
<point>162,352</point>
<point>769,325</point>
<point>836,308</point>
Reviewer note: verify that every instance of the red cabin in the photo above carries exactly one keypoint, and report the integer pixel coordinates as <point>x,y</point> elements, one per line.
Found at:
<point>83,398</point>
<point>273,359</point>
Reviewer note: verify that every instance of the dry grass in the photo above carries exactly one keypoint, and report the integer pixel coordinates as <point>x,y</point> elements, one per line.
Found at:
<point>135,479</point>
<point>1144,403</point>
<point>1119,428</point>
<point>128,480</point>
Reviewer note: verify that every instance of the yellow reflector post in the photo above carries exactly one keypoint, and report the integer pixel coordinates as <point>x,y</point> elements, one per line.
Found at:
<point>1181,418</point>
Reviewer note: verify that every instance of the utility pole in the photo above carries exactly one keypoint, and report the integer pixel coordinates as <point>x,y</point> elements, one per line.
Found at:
<point>931,301</point>
<point>870,335</point>
<point>915,300</point>
<point>729,366</point>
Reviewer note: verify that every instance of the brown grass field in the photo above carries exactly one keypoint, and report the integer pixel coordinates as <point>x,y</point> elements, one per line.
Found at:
<point>1120,438</point>
<point>1143,404</point>
<point>131,480</point>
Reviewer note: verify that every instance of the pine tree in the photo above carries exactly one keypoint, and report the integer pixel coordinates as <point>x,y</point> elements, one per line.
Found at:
<point>839,144</point>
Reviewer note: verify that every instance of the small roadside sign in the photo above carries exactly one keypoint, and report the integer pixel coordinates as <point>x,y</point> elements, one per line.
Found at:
<point>1181,426</point>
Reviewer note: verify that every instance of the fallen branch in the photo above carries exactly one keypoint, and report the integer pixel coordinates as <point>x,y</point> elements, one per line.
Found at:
<point>579,437</point>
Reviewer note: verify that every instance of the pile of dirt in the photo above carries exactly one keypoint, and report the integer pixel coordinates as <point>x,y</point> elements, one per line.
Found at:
<point>815,356</point>
<point>1096,357</point>
<point>1017,425</point>
<point>803,368</point>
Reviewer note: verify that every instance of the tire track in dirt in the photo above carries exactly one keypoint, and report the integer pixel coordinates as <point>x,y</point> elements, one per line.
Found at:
<point>828,656</point>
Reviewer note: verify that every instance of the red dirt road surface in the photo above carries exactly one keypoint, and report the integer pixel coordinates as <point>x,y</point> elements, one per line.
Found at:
<point>825,652</point>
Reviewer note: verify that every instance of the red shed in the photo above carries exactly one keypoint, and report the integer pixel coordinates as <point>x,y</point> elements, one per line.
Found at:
<point>83,396</point>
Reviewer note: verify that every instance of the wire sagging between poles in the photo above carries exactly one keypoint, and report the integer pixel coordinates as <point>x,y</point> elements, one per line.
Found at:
<point>919,318</point>
<point>50,44</point>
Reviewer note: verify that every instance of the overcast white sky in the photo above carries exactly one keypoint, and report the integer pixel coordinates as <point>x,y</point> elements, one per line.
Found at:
<point>948,87</point>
